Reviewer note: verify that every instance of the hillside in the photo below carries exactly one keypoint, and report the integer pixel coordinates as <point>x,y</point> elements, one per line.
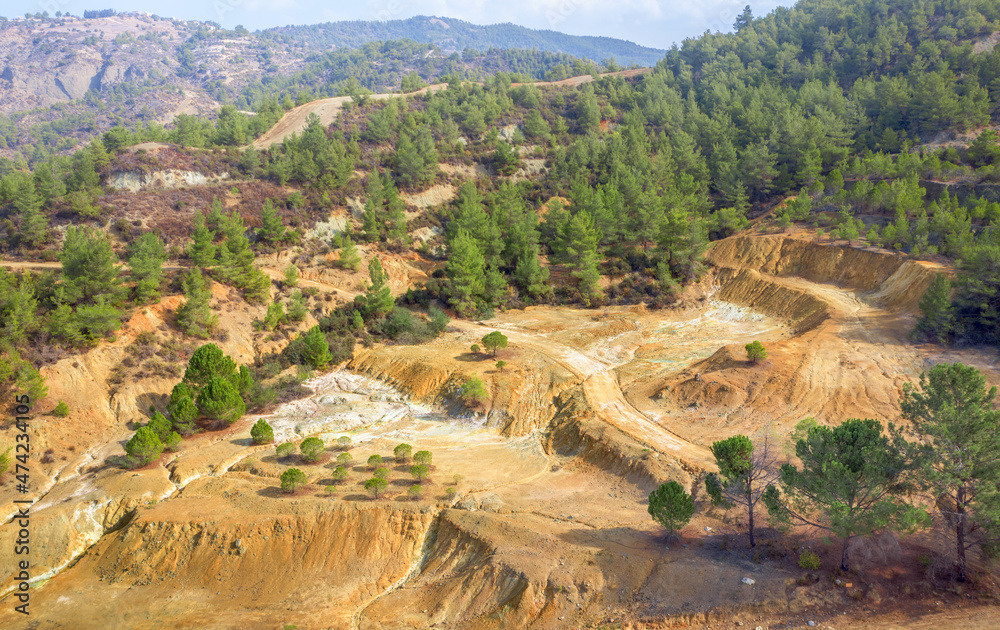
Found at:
<point>494,351</point>
<point>65,79</point>
<point>453,35</point>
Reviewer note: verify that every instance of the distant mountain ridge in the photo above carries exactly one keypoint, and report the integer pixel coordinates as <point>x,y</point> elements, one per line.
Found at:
<point>457,35</point>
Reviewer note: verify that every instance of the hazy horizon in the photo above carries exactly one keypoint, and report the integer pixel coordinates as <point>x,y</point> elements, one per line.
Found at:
<point>652,23</point>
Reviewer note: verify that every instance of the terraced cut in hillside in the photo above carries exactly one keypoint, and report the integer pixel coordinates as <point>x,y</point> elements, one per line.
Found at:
<point>547,526</point>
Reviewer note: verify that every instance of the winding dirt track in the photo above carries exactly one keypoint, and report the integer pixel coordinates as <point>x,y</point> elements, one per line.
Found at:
<point>327,109</point>
<point>606,398</point>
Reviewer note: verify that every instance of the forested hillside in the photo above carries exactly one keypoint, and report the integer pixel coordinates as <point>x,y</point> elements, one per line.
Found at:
<point>66,79</point>
<point>875,130</point>
<point>459,36</point>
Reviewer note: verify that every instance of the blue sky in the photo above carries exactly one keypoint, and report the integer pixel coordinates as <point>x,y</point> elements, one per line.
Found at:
<point>655,23</point>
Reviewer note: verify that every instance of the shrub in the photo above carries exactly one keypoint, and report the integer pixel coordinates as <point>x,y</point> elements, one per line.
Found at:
<point>345,458</point>
<point>292,479</point>
<point>261,432</point>
<point>809,561</point>
<point>297,310</point>
<point>291,276</point>
<point>381,472</point>
<point>310,349</point>
<point>450,492</point>
<point>275,315</point>
<point>172,441</point>
<point>475,348</point>
<point>419,471</point>
<point>439,320</point>
<point>286,449</point>
<point>331,490</point>
<point>402,452</point>
<point>376,485</point>
<point>375,461</point>
<point>312,449</point>
<point>61,410</point>
<point>344,442</point>
<point>422,457</point>
<point>144,447</point>
<point>501,365</point>
<point>473,391</point>
<point>415,491</point>
<point>340,473</point>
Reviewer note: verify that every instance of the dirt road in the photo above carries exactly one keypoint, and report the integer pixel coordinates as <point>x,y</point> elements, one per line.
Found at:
<point>605,395</point>
<point>294,121</point>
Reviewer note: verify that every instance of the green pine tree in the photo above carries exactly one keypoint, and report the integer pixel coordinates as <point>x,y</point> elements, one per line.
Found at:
<point>349,257</point>
<point>201,250</point>
<point>146,257</point>
<point>272,230</point>
<point>466,270</point>
<point>581,238</point>
<point>195,316</point>
<point>378,297</point>
<point>958,452</point>
<point>937,316</point>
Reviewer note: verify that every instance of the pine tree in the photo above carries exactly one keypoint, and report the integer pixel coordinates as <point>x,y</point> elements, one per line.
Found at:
<point>297,310</point>
<point>671,506</point>
<point>202,250</point>
<point>195,316</point>
<point>182,410</point>
<point>535,127</point>
<point>220,400</point>
<point>272,229</point>
<point>18,310</point>
<point>208,363</point>
<point>958,452</point>
<point>588,112</point>
<point>89,266</point>
<point>316,349</point>
<point>146,263</point>
<point>34,226</point>
<point>144,447</point>
<point>745,472</point>
<point>374,216</point>
<point>937,316</point>
<point>395,216</point>
<point>494,286</point>
<point>466,270</point>
<point>581,253</point>
<point>529,275</point>
<point>349,257</point>
<point>378,296</point>
<point>236,257</point>
<point>851,484</point>
<point>409,166</point>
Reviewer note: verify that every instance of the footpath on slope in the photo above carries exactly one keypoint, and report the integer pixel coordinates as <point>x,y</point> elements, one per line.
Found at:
<point>294,121</point>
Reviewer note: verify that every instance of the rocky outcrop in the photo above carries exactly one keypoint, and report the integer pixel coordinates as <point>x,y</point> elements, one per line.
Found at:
<point>521,402</point>
<point>133,181</point>
<point>889,279</point>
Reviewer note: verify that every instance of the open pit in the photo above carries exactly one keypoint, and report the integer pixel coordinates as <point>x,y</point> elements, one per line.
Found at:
<point>548,526</point>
